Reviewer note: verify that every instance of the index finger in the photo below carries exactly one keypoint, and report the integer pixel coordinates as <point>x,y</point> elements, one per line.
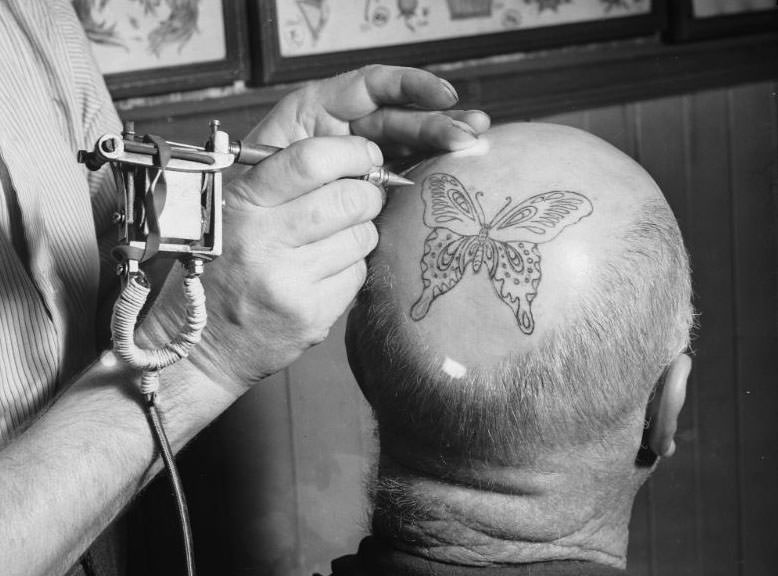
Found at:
<point>305,166</point>
<point>360,92</point>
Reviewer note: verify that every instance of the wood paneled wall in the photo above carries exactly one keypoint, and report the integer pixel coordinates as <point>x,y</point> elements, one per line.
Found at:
<point>277,485</point>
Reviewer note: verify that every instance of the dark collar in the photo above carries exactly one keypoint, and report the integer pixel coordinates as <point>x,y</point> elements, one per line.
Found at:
<point>377,559</point>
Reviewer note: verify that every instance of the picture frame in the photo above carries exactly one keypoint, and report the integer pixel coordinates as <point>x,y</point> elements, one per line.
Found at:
<point>270,65</point>
<point>690,20</point>
<point>213,53</point>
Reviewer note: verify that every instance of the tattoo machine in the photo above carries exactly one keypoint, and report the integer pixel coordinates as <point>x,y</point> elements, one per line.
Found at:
<point>170,203</point>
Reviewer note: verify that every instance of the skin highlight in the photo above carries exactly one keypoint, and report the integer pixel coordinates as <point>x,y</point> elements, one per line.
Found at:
<point>527,450</point>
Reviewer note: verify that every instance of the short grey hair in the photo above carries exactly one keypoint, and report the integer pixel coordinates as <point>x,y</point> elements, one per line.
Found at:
<point>585,378</point>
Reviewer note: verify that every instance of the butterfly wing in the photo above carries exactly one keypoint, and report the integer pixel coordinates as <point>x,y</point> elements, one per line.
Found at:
<point>516,232</point>
<point>515,276</point>
<point>541,217</point>
<point>446,255</point>
<point>447,204</point>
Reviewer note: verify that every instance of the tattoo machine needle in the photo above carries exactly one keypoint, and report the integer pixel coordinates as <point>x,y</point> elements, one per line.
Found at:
<point>252,154</point>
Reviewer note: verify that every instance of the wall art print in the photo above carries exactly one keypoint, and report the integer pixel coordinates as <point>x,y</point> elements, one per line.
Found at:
<point>302,39</point>
<point>199,40</point>
<point>705,19</point>
<point>711,8</point>
<point>323,26</point>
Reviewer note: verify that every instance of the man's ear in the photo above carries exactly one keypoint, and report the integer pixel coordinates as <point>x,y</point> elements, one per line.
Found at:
<point>664,410</point>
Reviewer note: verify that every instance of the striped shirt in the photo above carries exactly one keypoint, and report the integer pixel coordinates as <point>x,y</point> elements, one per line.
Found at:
<point>52,102</point>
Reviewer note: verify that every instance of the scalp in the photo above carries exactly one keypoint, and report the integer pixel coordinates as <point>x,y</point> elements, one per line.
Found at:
<point>472,324</point>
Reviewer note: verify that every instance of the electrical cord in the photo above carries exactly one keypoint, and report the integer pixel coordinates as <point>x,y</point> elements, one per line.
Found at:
<point>163,444</point>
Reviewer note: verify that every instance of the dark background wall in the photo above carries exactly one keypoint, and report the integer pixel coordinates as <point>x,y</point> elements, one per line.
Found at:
<point>277,485</point>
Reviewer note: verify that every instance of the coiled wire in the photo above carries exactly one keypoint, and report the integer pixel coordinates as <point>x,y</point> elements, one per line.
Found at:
<point>125,316</point>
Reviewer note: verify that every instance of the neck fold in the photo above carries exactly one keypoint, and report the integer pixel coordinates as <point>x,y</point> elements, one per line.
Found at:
<point>500,516</point>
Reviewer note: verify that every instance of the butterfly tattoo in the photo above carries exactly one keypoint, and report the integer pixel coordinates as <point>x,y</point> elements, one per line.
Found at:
<point>505,246</point>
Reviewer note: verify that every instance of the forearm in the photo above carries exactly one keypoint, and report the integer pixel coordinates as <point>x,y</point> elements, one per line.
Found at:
<point>65,479</point>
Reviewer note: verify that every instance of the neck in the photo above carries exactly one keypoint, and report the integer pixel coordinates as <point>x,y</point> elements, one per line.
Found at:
<point>493,516</point>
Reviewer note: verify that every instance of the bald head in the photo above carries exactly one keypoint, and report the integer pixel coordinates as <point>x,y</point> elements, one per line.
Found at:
<point>526,295</point>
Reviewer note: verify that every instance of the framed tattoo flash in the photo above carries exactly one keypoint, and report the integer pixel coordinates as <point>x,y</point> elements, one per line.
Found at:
<point>506,245</point>
<point>700,19</point>
<point>298,39</point>
<point>146,47</point>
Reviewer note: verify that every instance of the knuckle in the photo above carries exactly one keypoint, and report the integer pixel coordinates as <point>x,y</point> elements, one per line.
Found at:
<point>308,162</point>
<point>275,287</point>
<point>289,226</point>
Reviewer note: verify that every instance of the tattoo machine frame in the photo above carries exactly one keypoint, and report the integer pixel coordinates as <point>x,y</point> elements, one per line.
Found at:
<point>169,204</point>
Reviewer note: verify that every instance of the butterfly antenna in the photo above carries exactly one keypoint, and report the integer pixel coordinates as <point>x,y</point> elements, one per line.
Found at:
<point>497,216</point>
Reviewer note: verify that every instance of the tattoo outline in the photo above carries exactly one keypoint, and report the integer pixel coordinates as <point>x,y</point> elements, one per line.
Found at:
<point>506,245</point>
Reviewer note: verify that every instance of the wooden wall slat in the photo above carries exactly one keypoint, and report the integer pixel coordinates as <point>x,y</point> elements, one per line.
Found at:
<point>331,446</point>
<point>258,506</point>
<point>574,119</point>
<point>660,138</point>
<point>709,232</point>
<point>615,124</point>
<point>753,177</point>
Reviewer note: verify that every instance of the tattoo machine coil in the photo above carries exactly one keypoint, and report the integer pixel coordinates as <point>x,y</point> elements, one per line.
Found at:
<point>169,204</point>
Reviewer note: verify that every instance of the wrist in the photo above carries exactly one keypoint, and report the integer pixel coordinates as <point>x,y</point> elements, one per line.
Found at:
<point>191,393</point>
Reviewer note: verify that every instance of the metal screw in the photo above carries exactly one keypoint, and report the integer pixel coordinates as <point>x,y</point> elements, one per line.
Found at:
<point>129,130</point>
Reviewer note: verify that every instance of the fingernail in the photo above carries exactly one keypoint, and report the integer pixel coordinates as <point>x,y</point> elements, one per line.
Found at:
<point>464,127</point>
<point>375,153</point>
<point>450,89</point>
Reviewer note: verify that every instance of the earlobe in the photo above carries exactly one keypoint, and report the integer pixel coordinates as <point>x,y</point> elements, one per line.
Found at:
<point>667,408</point>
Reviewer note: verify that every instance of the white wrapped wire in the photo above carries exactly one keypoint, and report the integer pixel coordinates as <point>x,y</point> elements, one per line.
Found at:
<point>125,316</point>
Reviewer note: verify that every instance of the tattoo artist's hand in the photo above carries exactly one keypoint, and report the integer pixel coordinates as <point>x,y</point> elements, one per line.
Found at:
<point>398,108</point>
<point>296,232</point>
